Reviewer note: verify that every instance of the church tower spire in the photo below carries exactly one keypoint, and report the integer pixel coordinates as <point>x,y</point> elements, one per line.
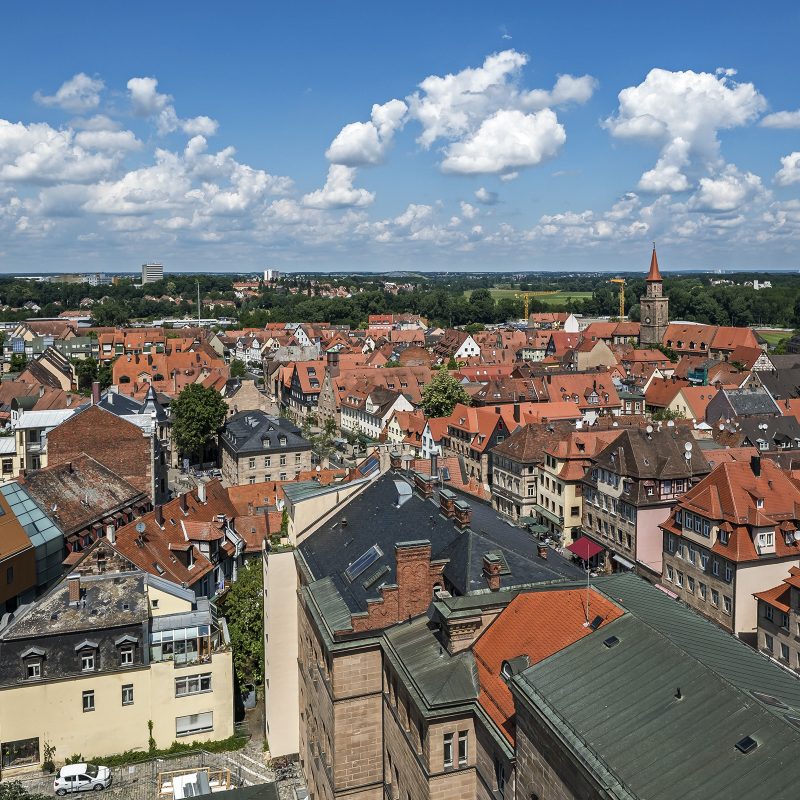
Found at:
<point>654,306</point>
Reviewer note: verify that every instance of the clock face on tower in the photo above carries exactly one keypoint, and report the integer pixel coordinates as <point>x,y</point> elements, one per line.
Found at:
<point>647,320</point>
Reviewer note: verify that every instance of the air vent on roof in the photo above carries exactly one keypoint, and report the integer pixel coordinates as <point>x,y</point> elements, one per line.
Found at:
<point>612,641</point>
<point>769,700</point>
<point>125,606</point>
<point>746,745</point>
<point>596,622</point>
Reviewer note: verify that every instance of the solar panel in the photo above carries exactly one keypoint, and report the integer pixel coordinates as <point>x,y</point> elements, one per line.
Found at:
<point>375,576</point>
<point>369,465</point>
<point>363,562</point>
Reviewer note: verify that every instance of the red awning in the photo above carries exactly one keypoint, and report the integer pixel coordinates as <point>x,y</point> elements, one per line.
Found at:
<point>585,548</point>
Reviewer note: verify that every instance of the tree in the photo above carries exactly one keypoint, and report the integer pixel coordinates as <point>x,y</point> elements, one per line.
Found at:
<point>243,607</point>
<point>197,414</point>
<point>238,368</point>
<point>105,375</point>
<point>440,396</point>
<point>14,790</point>
<point>86,371</point>
<point>18,362</point>
<point>481,306</point>
<point>664,414</point>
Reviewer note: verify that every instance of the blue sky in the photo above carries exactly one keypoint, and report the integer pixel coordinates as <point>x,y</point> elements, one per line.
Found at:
<point>422,136</point>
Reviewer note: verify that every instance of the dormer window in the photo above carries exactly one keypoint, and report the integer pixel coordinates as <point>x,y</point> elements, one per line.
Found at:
<point>759,502</point>
<point>87,662</point>
<point>724,537</point>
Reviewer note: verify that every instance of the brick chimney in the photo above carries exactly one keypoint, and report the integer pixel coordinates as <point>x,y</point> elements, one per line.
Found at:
<point>423,484</point>
<point>185,502</point>
<point>95,392</point>
<point>396,460</point>
<point>517,413</point>
<point>111,534</point>
<point>201,492</point>
<point>74,587</point>
<point>491,570</point>
<point>447,503</point>
<point>462,513</point>
<point>159,516</point>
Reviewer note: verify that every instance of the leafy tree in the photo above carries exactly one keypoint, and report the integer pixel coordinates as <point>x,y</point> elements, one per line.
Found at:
<point>105,375</point>
<point>86,371</point>
<point>481,306</point>
<point>238,368</point>
<point>440,396</point>
<point>243,608</point>
<point>664,414</point>
<point>14,790</point>
<point>197,414</point>
<point>452,363</point>
<point>475,327</point>
<point>18,362</point>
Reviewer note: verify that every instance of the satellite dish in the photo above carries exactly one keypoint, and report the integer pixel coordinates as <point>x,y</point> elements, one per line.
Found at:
<point>319,468</point>
<point>797,536</point>
<point>140,527</point>
<point>670,423</point>
<point>649,429</point>
<point>688,455</point>
<point>688,447</point>
<point>722,426</point>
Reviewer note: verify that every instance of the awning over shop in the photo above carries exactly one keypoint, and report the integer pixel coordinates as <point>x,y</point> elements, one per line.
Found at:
<point>624,561</point>
<point>585,548</point>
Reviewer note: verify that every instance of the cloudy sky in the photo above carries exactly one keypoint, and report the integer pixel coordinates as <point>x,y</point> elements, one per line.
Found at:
<point>432,136</point>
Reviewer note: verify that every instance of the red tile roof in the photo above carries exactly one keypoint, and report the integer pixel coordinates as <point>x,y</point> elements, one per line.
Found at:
<point>536,625</point>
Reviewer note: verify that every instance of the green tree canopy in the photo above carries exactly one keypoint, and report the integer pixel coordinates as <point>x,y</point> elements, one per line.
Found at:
<point>197,414</point>
<point>14,790</point>
<point>243,607</point>
<point>440,396</point>
<point>238,368</point>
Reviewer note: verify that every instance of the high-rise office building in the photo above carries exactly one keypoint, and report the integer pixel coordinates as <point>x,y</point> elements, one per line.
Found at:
<point>152,273</point>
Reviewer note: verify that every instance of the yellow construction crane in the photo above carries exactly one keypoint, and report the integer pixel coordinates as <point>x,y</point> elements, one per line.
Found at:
<point>525,297</point>
<point>621,282</point>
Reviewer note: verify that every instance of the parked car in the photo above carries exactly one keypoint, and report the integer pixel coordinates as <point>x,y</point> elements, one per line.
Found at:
<point>81,778</point>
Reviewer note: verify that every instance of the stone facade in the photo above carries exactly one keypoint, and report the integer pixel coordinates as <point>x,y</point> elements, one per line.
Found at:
<point>653,307</point>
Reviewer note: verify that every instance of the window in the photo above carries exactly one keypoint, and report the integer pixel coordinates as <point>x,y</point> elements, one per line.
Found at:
<point>703,560</point>
<point>678,578</point>
<point>266,461</point>
<point>126,656</point>
<point>690,584</point>
<point>33,670</point>
<point>768,612</point>
<point>670,543</point>
<point>714,597</point>
<point>728,572</point>
<point>297,458</point>
<point>769,643</point>
<point>194,723</point>
<point>499,775</point>
<point>715,567</point>
<point>702,591</point>
<point>251,463</point>
<point>727,604</point>
<point>785,651</point>
<point>88,701</point>
<point>20,752</point>
<point>193,684</point>
<point>127,694</point>
<point>766,539</point>
<point>87,662</point>
<point>723,536</point>
<point>463,748</point>
<point>670,573</point>
<point>283,460</point>
<point>448,750</point>
<point>785,621</point>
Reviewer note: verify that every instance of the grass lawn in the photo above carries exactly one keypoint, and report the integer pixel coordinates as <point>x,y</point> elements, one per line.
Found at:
<point>553,299</point>
<point>773,337</point>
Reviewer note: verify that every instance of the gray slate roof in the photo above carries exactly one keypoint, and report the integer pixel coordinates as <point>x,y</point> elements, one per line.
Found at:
<point>258,432</point>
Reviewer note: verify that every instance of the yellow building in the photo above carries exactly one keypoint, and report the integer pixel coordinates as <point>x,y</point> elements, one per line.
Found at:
<point>94,664</point>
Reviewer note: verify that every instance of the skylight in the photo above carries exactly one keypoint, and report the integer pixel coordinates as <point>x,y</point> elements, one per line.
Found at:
<point>363,562</point>
<point>746,745</point>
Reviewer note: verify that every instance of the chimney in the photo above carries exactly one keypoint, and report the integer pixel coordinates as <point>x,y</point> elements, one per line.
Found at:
<point>423,484</point>
<point>517,413</point>
<point>497,409</point>
<point>74,587</point>
<point>185,502</point>
<point>434,465</point>
<point>111,533</point>
<point>95,392</point>
<point>201,492</point>
<point>159,516</point>
<point>41,391</point>
<point>447,503</point>
<point>491,570</point>
<point>462,513</point>
<point>69,400</point>
<point>396,460</point>
<point>755,465</point>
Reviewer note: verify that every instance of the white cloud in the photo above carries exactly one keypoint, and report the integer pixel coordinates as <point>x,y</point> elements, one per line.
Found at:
<point>338,191</point>
<point>683,111</point>
<point>145,97</point>
<point>469,211</point>
<point>726,192</point>
<point>789,173</point>
<point>147,101</point>
<point>568,89</point>
<point>506,141</point>
<point>77,95</point>
<point>781,119</point>
<point>486,197</point>
<point>361,143</point>
<point>40,154</point>
<point>113,141</point>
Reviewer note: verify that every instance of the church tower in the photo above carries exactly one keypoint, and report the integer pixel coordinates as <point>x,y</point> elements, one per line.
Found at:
<point>654,307</point>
